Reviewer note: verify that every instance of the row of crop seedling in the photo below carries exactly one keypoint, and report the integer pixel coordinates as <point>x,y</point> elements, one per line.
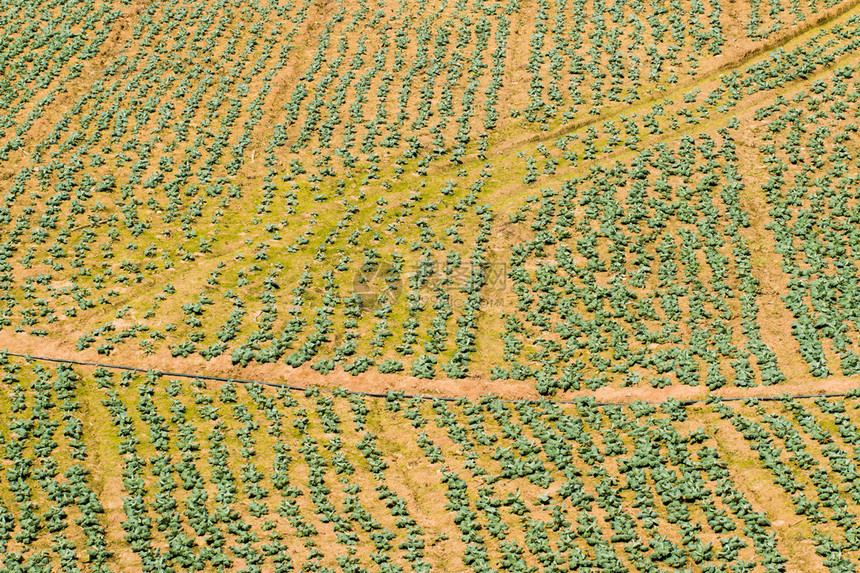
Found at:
<point>811,192</point>
<point>793,444</point>
<point>481,513</point>
<point>215,475</point>
<point>50,513</point>
<point>133,219</point>
<point>593,301</point>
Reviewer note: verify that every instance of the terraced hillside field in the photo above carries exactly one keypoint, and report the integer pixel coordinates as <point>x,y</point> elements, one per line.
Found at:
<point>581,273</point>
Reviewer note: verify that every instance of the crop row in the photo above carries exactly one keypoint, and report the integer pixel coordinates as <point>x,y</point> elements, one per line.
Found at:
<point>221,478</point>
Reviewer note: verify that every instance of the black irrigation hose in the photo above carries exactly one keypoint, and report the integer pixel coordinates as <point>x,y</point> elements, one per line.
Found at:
<point>213,378</point>
<point>409,396</point>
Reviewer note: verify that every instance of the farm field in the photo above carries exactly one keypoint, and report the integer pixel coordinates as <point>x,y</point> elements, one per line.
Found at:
<point>581,273</point>
<point>367,190</point>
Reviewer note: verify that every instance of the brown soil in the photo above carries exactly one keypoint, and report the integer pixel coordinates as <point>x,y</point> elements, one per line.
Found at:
<point>373,382</point>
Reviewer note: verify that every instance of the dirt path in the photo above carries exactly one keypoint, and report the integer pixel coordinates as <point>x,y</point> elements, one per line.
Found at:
<point>471,388</point>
